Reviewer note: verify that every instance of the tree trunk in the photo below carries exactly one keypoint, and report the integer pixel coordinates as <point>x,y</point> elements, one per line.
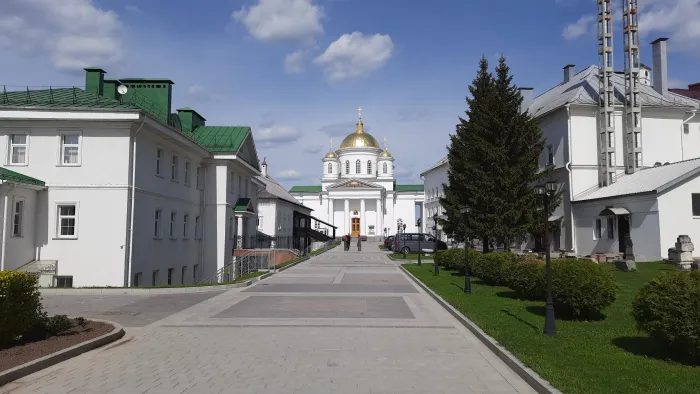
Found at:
<point>485,245</point>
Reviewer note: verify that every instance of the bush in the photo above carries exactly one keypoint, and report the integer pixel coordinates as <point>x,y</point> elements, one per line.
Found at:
<point>527,278</point>
<point>20,305</point>
<point>493,268</point>
<point>50,326</point>
<point>581,288</point>
<point>451,259</point>
<point>668,309</point>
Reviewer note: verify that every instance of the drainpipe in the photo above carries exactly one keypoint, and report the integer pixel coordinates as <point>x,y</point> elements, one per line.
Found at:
<point>132,191</point>
<point>5,199</point>
<point>685,121</point>
<point>571,189</point>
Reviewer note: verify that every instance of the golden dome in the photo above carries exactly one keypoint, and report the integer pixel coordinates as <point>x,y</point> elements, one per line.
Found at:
<point>385,153</point>
<point>331,155</point>
<point>359,139</point>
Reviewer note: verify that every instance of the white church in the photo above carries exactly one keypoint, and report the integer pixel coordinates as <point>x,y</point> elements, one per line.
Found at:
<point>358,193</point>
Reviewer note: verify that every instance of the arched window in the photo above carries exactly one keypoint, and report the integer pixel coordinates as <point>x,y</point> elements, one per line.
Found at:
<point>347,166</point>
<point>384,168</point>
<point>357,167</point>
<point>369,167</point>
<point>330,168</point>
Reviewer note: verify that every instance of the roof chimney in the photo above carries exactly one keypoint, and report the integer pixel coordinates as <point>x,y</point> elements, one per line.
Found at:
<point>567,72</point>
<point>263,167</point>
<point>526,94</point>
<point>660,70</point>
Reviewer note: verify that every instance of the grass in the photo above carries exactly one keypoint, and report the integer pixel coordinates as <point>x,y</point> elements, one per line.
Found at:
<point>608,356</point>
<point>410,256</point>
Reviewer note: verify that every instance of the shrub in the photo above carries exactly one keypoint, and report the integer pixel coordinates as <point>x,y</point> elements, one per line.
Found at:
<point>493,268</point>
<point>581,288</point>
<point>450,258</point>
<point>20,304</point>
<point>527,278</point>
<point>49,326</point>
<point>668,309</point>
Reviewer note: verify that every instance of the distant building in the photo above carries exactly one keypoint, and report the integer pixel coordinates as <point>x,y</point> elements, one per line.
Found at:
<point>433,179</point>
<point>693,91</point>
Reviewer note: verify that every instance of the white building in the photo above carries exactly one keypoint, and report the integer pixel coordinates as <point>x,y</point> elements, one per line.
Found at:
<point>133,194</point>
<point>433,179</point>
<point>276,211</point>
<point>670,132</point>
<point>358,191</point>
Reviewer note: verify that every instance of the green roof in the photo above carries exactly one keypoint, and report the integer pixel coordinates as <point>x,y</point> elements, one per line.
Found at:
<point>409,188</point>
<point>243,205</point>
<point>60,98</point>
<point>188,109</point>
<point>221,138</point>
<point>305,189</point>
<point>161,80</point>
<point>12,176</point>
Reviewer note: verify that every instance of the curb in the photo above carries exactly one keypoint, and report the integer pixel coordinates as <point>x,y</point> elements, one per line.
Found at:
<point>288,266</point>
<point>31,367</point>
<point>531,377</point>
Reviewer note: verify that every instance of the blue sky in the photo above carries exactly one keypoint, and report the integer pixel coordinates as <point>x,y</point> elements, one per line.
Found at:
<point>296,70</point>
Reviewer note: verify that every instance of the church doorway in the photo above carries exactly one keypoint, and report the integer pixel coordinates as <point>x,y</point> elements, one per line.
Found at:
<point>623,230</point>
<point>355,227</point>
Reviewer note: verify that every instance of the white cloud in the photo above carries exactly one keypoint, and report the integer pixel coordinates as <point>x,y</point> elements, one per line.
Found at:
<point>133,9</point>
<point>74,33</point>
<point>282,20</point>
<point>276,135</point>
<point>579,28</point>
<point>293,63</point>
<point>202,94</point>
<point>288,175</point>
<point>355,55</point>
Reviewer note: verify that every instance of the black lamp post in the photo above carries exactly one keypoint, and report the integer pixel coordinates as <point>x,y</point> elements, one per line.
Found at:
<point>420,249</point>
<point>435,249</point>
<point>547,191</point>
<point>465,210</point>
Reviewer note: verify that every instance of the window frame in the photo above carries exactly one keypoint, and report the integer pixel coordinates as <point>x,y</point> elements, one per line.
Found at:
<point>154,277</point>
<point>550,155</point>
<point>185,226</point>
<point>159,162</point>
<point>18,218</point>
<point>158,223</point>
<point>598,229</point>
<point>62,134</point>
<point>58,217</point>
<point>173,221</point>
<point>197,227</point>
<point>610,226</point>
<point>330,168</point>
<point>174,168</point>
<point>65,278</point>
<point>385,168</point>
<point>369,167</point>
<point>695,205</point>
<point>183,271</point>
<point>11,146</point>
<point>199,177</point>
<point>188,173</point>
<point>358,166</point>
<point>347,167</point>
<point>170,276</point>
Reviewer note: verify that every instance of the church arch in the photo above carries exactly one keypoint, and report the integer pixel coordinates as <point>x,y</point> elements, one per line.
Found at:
<point>369,167</point>
<point>357,167</point>
<point>347,166</point>
<point>384,168</point>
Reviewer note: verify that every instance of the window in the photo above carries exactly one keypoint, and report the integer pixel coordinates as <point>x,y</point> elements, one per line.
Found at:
<point>369,167</point>
<point>185,222</point>
<point>70,149</point>
<point>598,229</point>
<point>696,204</point>
<point>170,276</point>
<point>330,168</point>
<point>199,177</point>
<point>159,156</point>
<point>357,167</point>
<point>194,273</point>
<point>197,228</point>
<point>230,228</point>
<point>686,128</point>
<point>18,149</point>
<point>183,272</point>
<point>260,221</point>
<point>137,279</point>
<point>67,221</point>
<point>385,168</point>
<point>173,169</point>
<point>156,224</point>
<point>550,155</point>
<point>188,165</point>
<point>610,228</point>
<point>154,278</point>
<point>173,217</point>
<point>17,218</point>
<point>347,166</point>
<point>64,281</point>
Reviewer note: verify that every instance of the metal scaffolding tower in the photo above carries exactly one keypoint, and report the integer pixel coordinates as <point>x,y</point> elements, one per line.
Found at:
<point>606,93</point>
<point>632,124</point>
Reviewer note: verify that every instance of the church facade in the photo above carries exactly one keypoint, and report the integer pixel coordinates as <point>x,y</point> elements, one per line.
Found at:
<point>358,192</point>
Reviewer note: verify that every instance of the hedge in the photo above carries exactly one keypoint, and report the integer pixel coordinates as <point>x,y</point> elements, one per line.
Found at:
<point>668,309</point>
<point>494,268</point>
<point>581,288</point>
<point>20,305</point>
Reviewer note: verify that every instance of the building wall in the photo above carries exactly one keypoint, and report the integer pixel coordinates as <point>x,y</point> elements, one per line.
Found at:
<point>364,156</point>
<point>19,250</point>
<point>676,216</point>
<point>432,183</point>
<point>267,216</point>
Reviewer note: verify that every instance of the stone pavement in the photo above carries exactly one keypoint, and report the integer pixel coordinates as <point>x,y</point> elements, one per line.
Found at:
<point>341,322</point>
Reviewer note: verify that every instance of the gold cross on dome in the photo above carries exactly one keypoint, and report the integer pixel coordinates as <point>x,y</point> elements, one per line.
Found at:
<point>384,143</point>
<point>331,143</point>
<point>359,113</point>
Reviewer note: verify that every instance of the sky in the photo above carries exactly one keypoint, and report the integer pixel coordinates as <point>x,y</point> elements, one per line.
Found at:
<point>296,71</point>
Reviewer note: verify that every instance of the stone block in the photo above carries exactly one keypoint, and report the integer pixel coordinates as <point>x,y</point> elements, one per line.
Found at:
<point>685,247</point>
<point>672,255</point>
<point>683,239</point>
<point>686,257</point>
<point>626,265</point>
<point>684,265</point>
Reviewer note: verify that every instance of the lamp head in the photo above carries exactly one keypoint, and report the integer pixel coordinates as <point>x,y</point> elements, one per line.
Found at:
<point>465,210</point>
<point>551,187</point>
<point>539,190</point>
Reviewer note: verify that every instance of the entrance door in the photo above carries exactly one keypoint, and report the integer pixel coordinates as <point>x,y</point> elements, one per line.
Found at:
<point>355,227</point>
<point>623,230</point>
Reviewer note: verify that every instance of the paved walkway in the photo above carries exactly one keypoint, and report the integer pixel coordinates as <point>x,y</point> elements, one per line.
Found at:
<point>342,322</point>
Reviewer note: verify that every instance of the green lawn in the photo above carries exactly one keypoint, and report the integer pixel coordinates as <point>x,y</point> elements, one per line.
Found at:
<point>410,256</point>
<point>607,356</point>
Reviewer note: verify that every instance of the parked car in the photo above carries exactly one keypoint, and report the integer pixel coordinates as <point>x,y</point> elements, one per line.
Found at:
<point>389,242</point>
<point>408,243</point>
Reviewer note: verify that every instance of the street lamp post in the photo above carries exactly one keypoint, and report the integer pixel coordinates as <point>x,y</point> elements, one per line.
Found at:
<point>403,231</point>
<point>547,191</point>
<point>465,210</point>
<point>435,249</point>
<point>420,250</point>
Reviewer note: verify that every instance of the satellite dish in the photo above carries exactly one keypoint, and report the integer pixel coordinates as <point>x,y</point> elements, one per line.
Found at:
<point>122,89</point>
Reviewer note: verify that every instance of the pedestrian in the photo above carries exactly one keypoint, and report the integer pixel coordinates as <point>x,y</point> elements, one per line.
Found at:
<point>345,242</point>
<point>347,246</point>
<point>359,243</point>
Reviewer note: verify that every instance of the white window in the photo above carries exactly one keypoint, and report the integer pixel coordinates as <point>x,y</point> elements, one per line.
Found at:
<point>67,221</point>
<point>188,166</point>
<point>357,167</point>
<point>159,157</point>
<point>156,223</point>
<point>330,168</point>
<point>185,223</point>
<point>197,228</point>
<point>199,177</point>
<point>17,218</point>
<point>18,149</point>
<point>173,218</point>
<point>347,166</point>
<point>70,149</point>
<point>369,167</point>
<point>174,168</point>
<point>230,228</point>
<point>384,168</point>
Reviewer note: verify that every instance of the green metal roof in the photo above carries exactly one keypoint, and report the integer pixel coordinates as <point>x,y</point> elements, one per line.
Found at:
<point>243,205</point>
<point>188,109</point>
<point>305,189</point>
<point>60,98</point>
<point>221,138</point>
<point>161,80</point>
<point>409,188</point>
<point>12,176</point>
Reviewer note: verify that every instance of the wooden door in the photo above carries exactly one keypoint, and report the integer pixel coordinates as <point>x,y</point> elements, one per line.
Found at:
<point>355,227</point>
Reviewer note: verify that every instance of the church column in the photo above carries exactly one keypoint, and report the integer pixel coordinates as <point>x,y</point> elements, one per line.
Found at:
<point>378,224</point>
<point>363,224</point>
<point>422,217</point>
<point>331,213</point>
<point>347,217</point>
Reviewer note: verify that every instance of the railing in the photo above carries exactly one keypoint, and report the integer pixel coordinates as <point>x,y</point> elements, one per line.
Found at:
<point>246,263</point>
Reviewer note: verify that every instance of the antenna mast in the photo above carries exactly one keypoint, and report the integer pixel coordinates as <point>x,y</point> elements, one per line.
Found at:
<point>633,109</point>
<point>606,92</point>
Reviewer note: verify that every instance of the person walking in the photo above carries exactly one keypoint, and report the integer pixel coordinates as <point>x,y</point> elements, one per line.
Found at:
<point>359,243</point>
<point>347,245</point>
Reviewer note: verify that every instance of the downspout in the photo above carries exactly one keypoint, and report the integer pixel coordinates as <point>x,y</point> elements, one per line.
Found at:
<point>132,193</point>
<point>5,199</point>
<point>682,131</point>
<point>571,188</point>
